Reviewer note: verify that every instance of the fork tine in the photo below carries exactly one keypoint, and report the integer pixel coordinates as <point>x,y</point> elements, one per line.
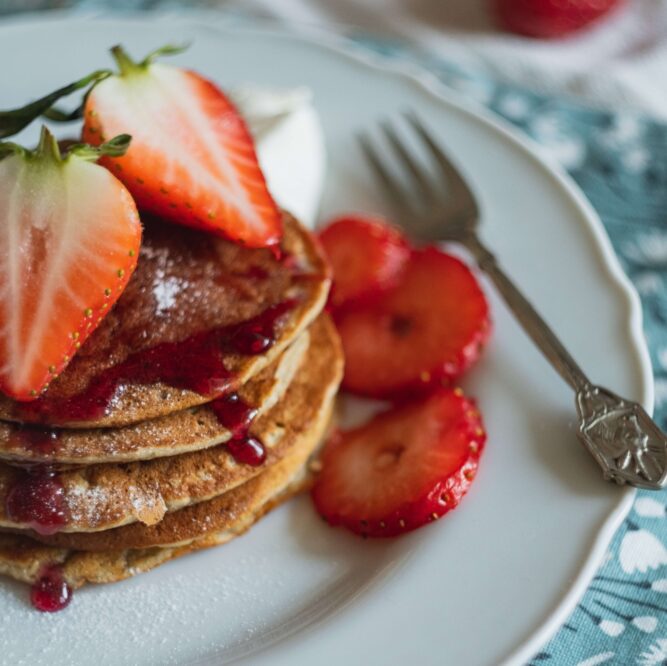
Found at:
<point>457,184</point>
<point>418,173</point>
<point>390,184</point>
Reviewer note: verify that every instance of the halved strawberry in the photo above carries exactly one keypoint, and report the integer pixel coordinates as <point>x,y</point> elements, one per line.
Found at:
<point>424,332</point>
<point>366,254</point>
<point>192,159</point>
<point>405,468</point>
<point>69,241</point>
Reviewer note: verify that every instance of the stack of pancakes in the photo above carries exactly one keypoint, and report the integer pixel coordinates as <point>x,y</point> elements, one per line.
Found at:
<point>132,457</point>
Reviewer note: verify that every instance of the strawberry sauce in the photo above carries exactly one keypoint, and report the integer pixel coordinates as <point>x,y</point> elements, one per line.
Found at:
<point>196,363</point>
<point>35,438</point>
<point>234,413</point>
<point>248,450</point>
<point>255,273</point>
<point>237,416</point>
<point>51,592</point>
<point>36,498</point>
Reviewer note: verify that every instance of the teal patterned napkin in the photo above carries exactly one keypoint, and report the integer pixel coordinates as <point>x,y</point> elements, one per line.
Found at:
<point>619,159</point>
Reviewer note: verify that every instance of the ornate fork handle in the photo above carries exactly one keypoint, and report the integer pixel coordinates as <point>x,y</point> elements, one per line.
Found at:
<point>619,433</point>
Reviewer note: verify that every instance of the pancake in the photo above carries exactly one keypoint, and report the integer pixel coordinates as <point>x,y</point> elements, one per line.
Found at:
<point>199,316</point>
<point>100,497</point>
<point>25,560</point>
<point>188,430</point>
<point>213,516</point>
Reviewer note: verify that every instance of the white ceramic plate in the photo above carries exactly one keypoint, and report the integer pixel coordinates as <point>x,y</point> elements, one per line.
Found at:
<point>493,580</point>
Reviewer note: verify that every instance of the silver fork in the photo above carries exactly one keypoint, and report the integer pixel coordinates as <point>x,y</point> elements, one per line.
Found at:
<point>440,206</point>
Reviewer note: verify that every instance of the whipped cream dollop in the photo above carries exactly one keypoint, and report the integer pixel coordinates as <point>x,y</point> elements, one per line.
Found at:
<point>290,145</point>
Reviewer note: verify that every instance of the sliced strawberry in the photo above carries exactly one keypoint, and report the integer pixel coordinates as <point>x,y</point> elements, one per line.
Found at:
<point>69,240</point>
<point>366,255</point>
<point>405,468</point>
<point>424,332</point>
<point>192,159</point>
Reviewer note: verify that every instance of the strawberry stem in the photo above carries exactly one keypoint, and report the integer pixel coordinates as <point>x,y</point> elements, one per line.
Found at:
<point>13,121</point>
<point>125,64</point>
<point>167,50</point>
<point>128,66</point>
<point>116,147</point>
<point>47,147</point>
<point>8,148</point>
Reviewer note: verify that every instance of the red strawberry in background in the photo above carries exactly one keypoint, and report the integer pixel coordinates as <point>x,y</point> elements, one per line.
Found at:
<point>69,241</point>
<point>366,255</point>
<point>550,18</point>
<point>403,469</point>
<point>192,159</point>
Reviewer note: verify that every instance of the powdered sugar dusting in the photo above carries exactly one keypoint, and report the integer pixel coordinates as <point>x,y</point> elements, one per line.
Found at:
<point>165,291</point>
<point>84,502</point>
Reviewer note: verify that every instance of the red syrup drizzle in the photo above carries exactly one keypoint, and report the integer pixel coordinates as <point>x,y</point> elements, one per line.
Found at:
<point>255,273</point>
<point>278,252</point>
<point>36,498</point>
<point>236,415</point>
<point>35,438</point>
<point>51,591</point>
<point>196,363</point>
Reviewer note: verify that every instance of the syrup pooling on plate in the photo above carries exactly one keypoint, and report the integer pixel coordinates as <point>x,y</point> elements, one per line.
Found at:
<point>36,498</point>
<point>196,363</point>
<point>237,416</point>
<point>51,591</point>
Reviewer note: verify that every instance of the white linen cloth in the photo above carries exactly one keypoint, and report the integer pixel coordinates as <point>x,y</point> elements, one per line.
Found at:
<point>621,61</point>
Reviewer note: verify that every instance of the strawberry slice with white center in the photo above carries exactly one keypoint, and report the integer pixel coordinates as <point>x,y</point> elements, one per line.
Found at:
<point>192,159</point>
<point>69,241</point>
<point>403,469</point>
